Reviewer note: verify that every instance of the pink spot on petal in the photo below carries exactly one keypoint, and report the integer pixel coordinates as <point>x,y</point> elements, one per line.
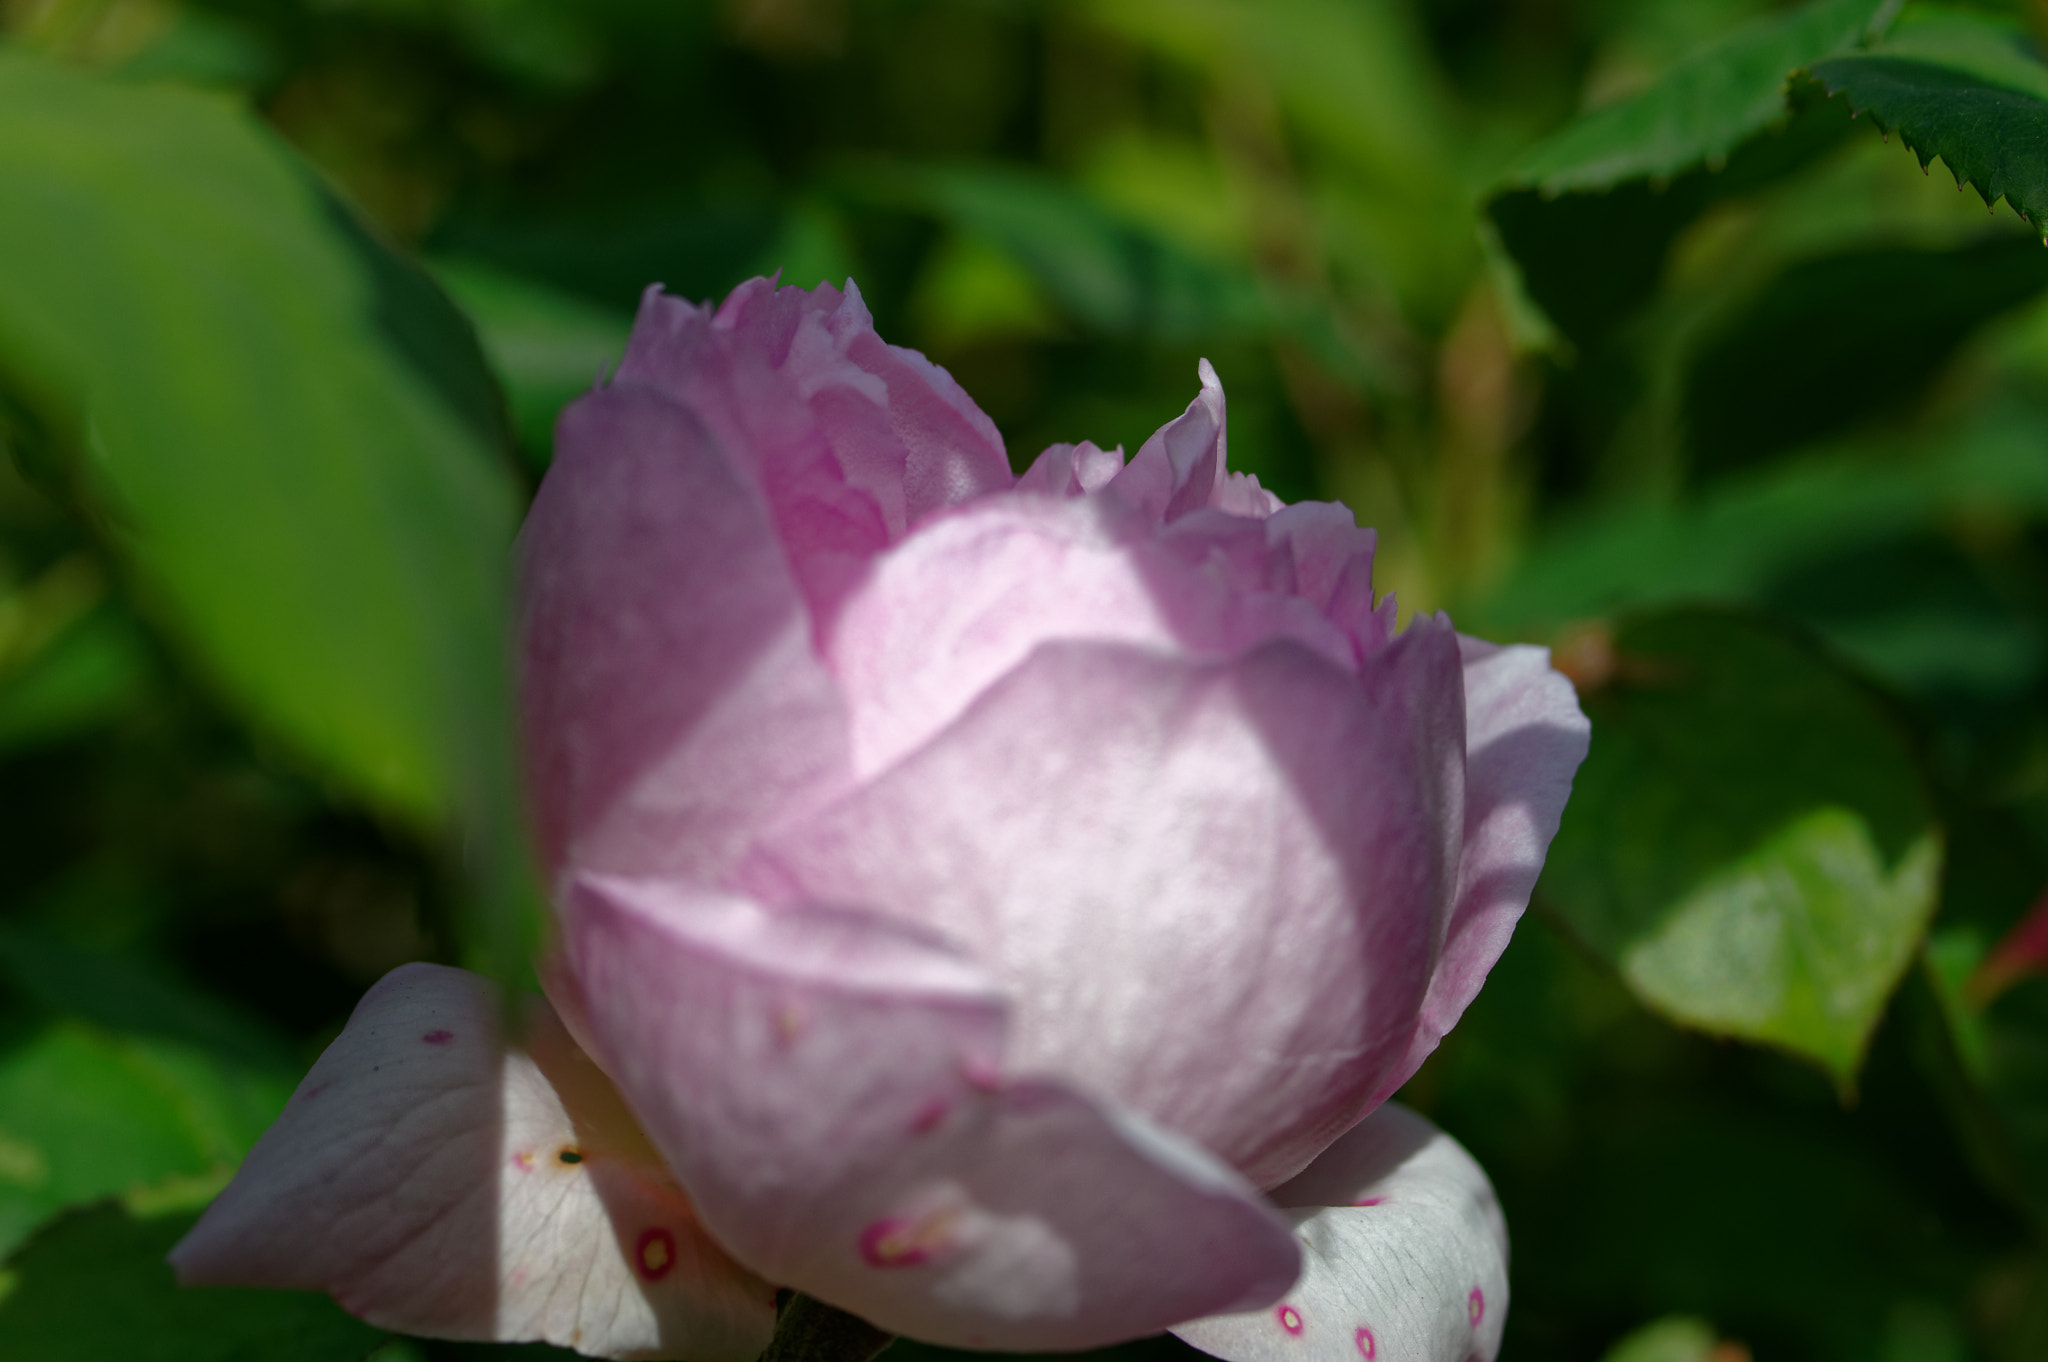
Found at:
<point>981,1075</point>
<point>928,1117</point>
<point>655,1254</point>
<point>523,1161</point>
<point>1370,1201</point>
<point>1368,1346</point>
<point>1290,1319</point>
<point>314,1091</point>
<point>1475,1305</point>
<point>438,1037</point>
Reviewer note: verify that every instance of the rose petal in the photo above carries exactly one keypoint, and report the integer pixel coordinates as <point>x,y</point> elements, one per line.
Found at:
<point>828,1085</point>
<point>670,694</point>
<point>1181,468</point>
<point>1405,1257</point>
<point>1212,892</point>
<point>897,427</point>
<point>440,1179</point>
<point>965,599</point>
<point>1525,738</point>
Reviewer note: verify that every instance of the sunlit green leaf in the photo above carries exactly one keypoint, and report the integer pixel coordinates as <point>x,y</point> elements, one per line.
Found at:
<point>1749,842</point>
<point>1678,1338</point>
<point>95,1287</point>
<point>85,1115</point>
<point>293,433</point>
<point>1963,87</point>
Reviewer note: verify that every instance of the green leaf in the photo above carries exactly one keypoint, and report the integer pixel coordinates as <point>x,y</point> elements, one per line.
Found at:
<point>1962,87</point>
<point>95,1287</point>
<point>291,432</point>
<point>86,1115</point>
<point>1703,108</point>
<point>1749,842</point>
<point>1675,1338</point>
<point>1113,274</point>
<point>1588,214</point>
<point>1736,541</point>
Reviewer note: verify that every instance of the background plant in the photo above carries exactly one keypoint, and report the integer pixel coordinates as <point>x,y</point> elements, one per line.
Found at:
<point>1636,328</point>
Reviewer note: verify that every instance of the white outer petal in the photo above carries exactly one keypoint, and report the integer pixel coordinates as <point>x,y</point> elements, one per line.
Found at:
<point>1405,1257</point>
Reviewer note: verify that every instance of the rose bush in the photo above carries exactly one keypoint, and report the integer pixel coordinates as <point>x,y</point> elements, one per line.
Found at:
<point>999,906</point>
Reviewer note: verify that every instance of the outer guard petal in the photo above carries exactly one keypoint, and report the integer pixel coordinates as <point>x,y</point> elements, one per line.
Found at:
<point>670,696</point>
<point>419,1175</point>
<point>1406,1257</point>
<point>1213,892</point>
<point>1525,738</point>
<point>829,1087</point>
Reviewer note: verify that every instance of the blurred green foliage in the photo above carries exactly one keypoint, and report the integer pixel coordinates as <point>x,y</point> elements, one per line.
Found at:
<point>1641,329</point>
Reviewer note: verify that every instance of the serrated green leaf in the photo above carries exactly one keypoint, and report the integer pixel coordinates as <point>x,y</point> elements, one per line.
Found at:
<point>95,1286</point>
<point>1963,88</point>
<point>1703,108</point>
<point>1749,841</point>
<point>291,432</point>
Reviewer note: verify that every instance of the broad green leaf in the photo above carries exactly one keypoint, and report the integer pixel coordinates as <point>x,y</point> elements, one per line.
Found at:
<point>1749,842</point>
<point>85,1114</point>
<point>292,432</point>
<point>95,1287</point>
<point>1962,87</point>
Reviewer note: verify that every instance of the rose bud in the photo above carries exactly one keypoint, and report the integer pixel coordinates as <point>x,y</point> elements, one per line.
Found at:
<point>997,906</point>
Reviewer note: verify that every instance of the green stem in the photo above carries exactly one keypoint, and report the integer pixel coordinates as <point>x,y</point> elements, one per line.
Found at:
<point>808,1330</point>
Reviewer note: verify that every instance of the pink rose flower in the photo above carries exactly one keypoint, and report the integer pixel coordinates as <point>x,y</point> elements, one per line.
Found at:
<point>997,906</point>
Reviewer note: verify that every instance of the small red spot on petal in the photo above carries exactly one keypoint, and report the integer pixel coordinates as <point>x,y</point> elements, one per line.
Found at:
<point>523,1161</point>
<point>314,1091</point>
<point>1370,1201</point>
<point>1290,1319</point>
<point>928,1117</point>
<point>1368,1346</point>
<point>655,1254</point>
<point>438,1037</point>
<point>1475,1305</point>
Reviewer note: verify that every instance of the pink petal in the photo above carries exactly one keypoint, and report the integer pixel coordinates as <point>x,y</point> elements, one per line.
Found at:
<point>670,694</point>
<point>1072,470</point>
<point>964,600</point>
<point>800,383</point>
<point>1212,892</point>
<point>1406,1257</point>
<point>419,1176</point>
<point>1181,468</point>
<point>829,1086</point>
<point>1525,738</point>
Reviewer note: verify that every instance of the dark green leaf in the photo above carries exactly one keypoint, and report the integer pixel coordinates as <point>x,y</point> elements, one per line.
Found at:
<point>1961,87</point>
<point>95,1288</point>
<point>292,431</point>
<point>1749,841</point>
